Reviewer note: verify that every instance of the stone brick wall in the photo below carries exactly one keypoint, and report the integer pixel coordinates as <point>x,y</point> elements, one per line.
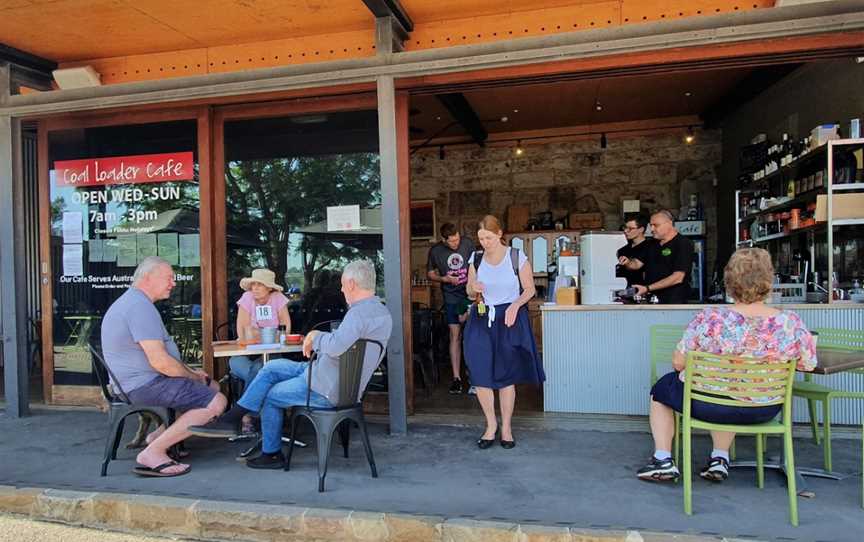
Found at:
<point>659,170</point>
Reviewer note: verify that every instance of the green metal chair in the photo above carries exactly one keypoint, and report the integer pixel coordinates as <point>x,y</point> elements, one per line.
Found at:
<point>728,380</point>
<point>813,392</point>
<point>664,340</point>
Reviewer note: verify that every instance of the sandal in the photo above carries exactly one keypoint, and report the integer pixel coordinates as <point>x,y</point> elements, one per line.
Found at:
<point>159,471</point>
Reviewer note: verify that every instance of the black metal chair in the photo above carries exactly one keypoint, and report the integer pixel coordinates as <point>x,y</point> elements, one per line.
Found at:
<point>422,320</point>
<point>348,408</point>
<point>120,407</point>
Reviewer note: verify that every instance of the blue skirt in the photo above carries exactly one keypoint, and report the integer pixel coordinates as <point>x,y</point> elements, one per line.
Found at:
<point>500,356</point>
<point>669,390</point>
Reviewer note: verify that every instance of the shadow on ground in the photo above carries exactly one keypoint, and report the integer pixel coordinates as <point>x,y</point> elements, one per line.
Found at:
<point>565,477</point>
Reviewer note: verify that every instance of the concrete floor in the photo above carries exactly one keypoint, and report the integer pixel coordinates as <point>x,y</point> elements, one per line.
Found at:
<point>562,472</point>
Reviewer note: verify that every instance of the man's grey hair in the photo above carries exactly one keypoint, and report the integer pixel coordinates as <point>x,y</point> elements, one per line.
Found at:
<point>147,266</point>
<point>362,272</point>
<point>664,212</point>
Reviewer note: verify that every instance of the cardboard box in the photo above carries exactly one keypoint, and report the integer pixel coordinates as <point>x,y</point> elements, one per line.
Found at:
<point>567,296</point>
<point>844,206</point>
<point>586,221</point>
<point>517,218</point>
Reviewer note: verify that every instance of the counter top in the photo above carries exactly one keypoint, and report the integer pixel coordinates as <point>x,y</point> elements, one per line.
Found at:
<point>693,307</point>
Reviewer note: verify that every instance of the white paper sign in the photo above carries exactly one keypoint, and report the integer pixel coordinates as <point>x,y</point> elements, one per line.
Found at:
<point>263,313</point>
<point>73,226</point>
<point>343,218</point>
<point>73,260</point>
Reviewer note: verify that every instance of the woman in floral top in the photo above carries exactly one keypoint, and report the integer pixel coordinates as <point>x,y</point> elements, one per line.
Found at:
<point>748,328</point>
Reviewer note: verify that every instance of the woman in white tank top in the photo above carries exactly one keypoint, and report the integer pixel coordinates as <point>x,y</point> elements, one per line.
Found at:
<point>499,347</point>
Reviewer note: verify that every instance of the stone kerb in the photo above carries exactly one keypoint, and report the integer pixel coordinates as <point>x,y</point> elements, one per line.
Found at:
<point>216,520</point>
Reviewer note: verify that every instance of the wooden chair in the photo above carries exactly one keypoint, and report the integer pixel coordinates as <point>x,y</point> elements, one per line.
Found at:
<point>730,380</point>
<point>348,408</point>
<point>813,392</point>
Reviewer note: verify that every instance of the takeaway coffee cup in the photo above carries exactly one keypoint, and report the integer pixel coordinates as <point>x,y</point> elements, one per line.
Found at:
<point>815,337</point>
<point>268,335</point>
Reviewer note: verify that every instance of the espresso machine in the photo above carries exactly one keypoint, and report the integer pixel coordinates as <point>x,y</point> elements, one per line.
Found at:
<point>599,258</point>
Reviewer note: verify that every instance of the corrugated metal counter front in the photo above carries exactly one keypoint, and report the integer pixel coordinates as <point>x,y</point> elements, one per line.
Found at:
<point>597,357</point>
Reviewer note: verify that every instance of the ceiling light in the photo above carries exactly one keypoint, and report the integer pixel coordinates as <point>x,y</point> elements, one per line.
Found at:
<point>519,151</point>
<point>438,118</point>
<point>515,110</point>
<point>598,106</point>
<point>441,152</point>
<point>689,137</point>
<point>504,119</point>
<point>309,119</point>
<point>80,77</point>
<point>603,142</point>
<point>688,94</point>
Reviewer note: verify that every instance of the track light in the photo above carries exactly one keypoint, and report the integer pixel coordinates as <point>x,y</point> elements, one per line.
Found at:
<point>689,137</point>
<point>519,151</point>
<point>441,152</point>
<point>603,141</point>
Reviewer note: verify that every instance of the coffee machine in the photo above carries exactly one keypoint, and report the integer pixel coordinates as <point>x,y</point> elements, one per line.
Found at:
<point>599,258</point>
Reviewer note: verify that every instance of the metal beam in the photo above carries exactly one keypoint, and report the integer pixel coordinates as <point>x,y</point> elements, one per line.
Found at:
<point>13,287</point>
<point>388,160</point>
<point>25,59</point>
<point>842,16</point>
<point>391,8</point>
<point>462,112</point>
<point>26,77</point>
<point>389,36</point>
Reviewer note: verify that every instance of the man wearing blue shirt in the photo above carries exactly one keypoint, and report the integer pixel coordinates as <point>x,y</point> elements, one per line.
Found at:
<point>283,383</point>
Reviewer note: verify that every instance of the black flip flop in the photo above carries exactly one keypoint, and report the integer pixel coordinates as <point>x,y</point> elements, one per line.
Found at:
<point>157,472</point>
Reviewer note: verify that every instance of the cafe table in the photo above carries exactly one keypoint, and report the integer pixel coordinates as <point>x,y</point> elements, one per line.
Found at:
<point>227,349</point>
<point>831,361</point>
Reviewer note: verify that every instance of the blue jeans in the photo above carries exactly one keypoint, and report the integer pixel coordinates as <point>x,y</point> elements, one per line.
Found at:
<point>245,368</point>
<point>279,385</point>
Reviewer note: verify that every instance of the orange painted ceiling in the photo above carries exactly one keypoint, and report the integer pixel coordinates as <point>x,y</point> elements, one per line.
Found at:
<point>69,30</point>
<point>128,40</point>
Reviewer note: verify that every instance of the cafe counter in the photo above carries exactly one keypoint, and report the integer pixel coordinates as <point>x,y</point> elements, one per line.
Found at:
<point>597,357</point>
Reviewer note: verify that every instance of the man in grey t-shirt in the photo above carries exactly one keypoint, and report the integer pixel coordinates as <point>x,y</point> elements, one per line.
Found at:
<point>146,363</point>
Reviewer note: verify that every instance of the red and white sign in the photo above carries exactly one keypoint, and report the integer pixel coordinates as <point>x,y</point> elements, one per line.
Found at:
<point>143,168</point>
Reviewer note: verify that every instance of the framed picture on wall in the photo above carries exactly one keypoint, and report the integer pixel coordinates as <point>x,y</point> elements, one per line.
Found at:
<point>423,223</point>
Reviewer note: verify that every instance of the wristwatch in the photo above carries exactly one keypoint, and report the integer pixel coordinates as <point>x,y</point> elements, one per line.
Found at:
<point>648,289</point>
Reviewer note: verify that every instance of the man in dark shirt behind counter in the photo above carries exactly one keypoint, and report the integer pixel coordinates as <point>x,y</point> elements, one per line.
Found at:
<point>636,249</point>
<point>669,262</point>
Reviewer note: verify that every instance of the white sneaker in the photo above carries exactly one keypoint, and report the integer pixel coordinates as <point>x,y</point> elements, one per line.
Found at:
<point>472,391</point>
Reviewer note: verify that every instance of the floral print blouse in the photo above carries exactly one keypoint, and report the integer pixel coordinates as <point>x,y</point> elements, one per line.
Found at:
<point>722,331</point>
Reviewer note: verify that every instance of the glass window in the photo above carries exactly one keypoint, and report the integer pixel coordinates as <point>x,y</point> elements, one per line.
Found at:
<point>281,175</point>
<point>119,194</point>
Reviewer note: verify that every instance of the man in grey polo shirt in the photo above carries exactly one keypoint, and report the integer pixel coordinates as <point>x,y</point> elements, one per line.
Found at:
<point>283,383</point>
<point>146,363</point>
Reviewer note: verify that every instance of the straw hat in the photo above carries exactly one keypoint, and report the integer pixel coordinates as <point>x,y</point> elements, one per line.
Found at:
<point>264,276</point>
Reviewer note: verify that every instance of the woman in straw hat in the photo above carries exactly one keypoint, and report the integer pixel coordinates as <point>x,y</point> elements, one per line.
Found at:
<point>262,305</point>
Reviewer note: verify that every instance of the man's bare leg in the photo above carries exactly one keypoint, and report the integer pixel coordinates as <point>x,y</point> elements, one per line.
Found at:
<point>156,453</point>
<point>455,351</point>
